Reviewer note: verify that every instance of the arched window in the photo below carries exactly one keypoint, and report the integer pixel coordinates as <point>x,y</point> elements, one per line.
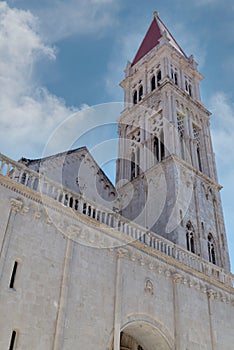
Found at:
<point>196,135</point>
<point>153,83</point>
<point>190,237</point>
<point>135,97</point>
<point>159,77</point>
<point>211,249</point>
<point>174,75</point>
<point>140,92</point>
<point>158,147</point>
<point>180,126</point>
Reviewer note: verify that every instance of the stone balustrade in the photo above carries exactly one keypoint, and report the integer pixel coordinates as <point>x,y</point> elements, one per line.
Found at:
<point>47,187</point>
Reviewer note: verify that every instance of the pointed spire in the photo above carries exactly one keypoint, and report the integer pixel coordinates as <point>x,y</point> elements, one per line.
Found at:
<point>155,32</point>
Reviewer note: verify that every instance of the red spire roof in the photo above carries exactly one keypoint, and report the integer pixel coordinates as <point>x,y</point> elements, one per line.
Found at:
<point>152,38</point>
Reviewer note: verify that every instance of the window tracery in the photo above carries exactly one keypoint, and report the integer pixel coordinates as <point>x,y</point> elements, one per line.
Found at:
<point>174,75</point>
<point>211,249</point>
<point>196,136</point>
<point>135,153</point>
<point>190,239</point>
<point>158,147</point>
<point>188,86</point>
<point>180,127</point>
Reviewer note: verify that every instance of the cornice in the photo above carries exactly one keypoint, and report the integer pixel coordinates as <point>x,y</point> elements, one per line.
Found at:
<point>86,231</point>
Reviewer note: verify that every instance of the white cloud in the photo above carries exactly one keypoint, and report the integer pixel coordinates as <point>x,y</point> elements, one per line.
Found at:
<point>28,112</point>
<point>61,19</point>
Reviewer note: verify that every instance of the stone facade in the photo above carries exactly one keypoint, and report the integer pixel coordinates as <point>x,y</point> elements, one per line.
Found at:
<point>77,272</point>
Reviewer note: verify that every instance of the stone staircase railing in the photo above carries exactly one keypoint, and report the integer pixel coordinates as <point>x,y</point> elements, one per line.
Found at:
<point>21,174</point>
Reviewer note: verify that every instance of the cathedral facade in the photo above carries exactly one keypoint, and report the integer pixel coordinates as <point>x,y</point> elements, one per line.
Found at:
<point>143,265</point>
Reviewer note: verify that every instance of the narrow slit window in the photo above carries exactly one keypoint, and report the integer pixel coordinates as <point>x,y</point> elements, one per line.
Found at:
<point>135,98</point>
<point>153,83</point>
<point>13,275</point>
<point>13,340</point>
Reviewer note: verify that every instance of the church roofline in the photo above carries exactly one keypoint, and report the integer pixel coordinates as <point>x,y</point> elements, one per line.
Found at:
<point>27,161</point>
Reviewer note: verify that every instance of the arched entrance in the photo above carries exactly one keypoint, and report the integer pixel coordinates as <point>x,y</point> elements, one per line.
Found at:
<point>142,335</point>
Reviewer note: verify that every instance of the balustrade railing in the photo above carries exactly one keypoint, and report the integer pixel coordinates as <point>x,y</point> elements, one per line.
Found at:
<point>38,182</point>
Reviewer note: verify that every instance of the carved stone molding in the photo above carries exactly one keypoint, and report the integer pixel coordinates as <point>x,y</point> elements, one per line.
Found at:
<point>16,204</point>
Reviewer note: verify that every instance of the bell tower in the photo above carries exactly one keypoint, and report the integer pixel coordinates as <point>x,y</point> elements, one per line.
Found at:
<point>166,171</point>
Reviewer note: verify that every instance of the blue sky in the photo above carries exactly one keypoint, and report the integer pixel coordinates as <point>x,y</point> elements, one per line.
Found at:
<point>59,57</point>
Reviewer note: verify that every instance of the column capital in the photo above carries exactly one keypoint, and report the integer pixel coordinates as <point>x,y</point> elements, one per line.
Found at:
<point>16,204</point>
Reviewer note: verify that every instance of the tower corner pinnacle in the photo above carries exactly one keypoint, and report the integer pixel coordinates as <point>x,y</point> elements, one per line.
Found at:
<point>156,13</point>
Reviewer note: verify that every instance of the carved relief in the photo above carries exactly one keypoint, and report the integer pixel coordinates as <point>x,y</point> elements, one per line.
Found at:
<point>149,287</point>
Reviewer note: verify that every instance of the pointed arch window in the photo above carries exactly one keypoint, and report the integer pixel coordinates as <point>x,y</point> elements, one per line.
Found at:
<point>158,147</point>
<point>190,239</point>
<point>140,92</point>
<point>174,75</point>
<point>211,249</point>
<point>188,86</point>
<point>153,83</point>
<point>196,136</point>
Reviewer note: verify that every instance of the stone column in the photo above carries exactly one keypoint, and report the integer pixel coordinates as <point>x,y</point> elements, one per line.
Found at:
<point>62,303</point>
<point>118,288</point>
<point>176,279</point>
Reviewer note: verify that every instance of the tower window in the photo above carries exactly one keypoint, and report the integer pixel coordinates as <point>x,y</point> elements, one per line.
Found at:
<point>13,340</point>
<point>190,237</point>
<point>174,75</point>
<point>135,97</point>
<point>159,77</point>
<point>158,147</point>
<point>199,159</point>
<point>13,275</point>
<point>196,136</point>
<point>211,249</point>
<point>140,92</point>
<point>180,126</point>
<point>190,90</point>
<point>135,161</point>
<point>153,83</point>
<point>188,86</point>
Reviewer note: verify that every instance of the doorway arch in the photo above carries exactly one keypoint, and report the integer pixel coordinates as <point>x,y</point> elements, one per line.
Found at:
<point>145,334</point>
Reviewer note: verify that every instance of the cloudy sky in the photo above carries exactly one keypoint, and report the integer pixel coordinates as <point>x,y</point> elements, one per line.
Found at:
<point>60,57</point>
